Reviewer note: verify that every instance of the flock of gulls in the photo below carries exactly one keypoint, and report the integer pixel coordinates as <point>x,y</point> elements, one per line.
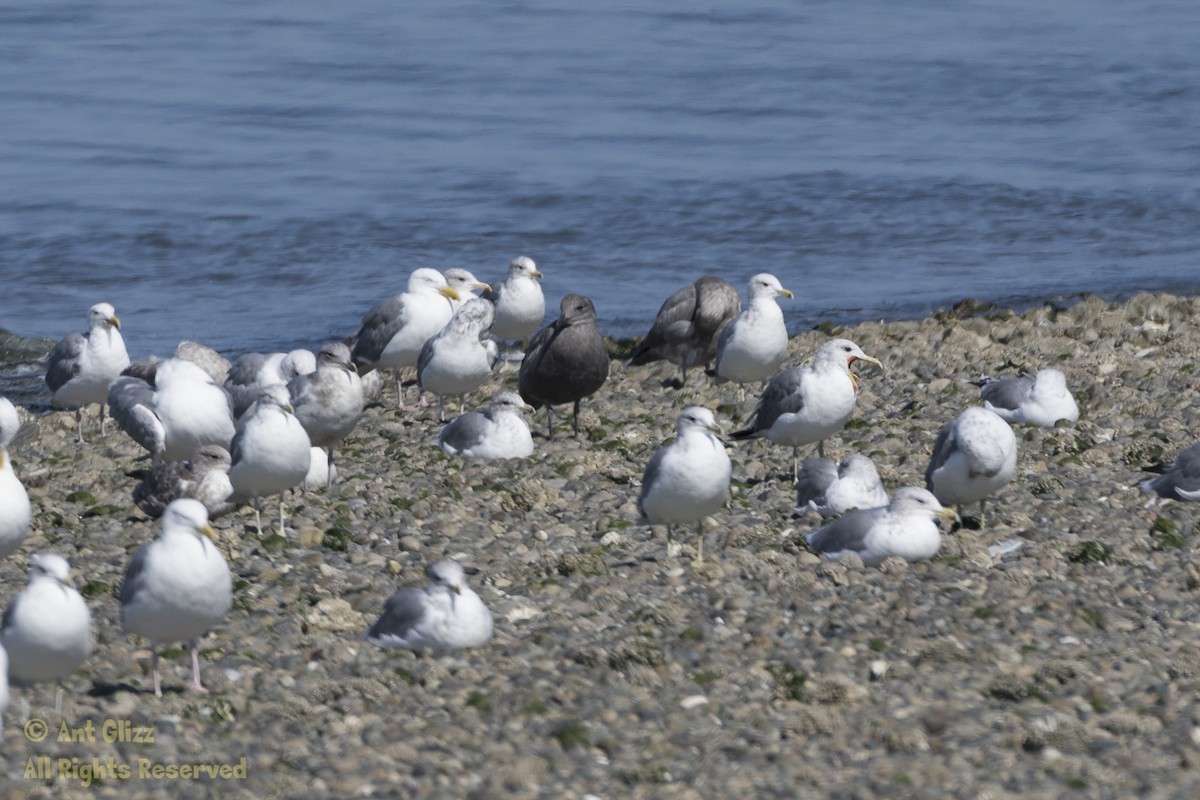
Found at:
<point>218,434</point>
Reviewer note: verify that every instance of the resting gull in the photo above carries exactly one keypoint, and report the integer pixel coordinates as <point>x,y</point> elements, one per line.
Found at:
<point>184,410</point>
<point>271,452</point>
<point>803,405</point>
<point>394,331</point>
<point>1180,480</point>
<point>688,323</point>
<point>320,471</point>
<point>47,629</point>
<point>80,367</point>
<point>464,284</point>
<point>499,431</point>
<point>178,586</point>
<point>520,304</point>
<point>458,359</point>
<point>253,371</point>
<point>975,456</point>
<point>16,513</point>
<point>906,527</point>
<point>203,477</point>
<point>832,489</point>
<point>687,480</point>
<point>754,344</point>
<point>1041,400</point>
<point>566,361</point>
<point>328,402</point>
<point>204,357</point>
<point>445,615</point>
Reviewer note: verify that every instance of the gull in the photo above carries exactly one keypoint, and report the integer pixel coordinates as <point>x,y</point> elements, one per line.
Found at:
<point>253,371</point>
<point>688,479</point>
<point>394,330</point>
<point>687,325</point>
<point>565,361</point>
<point>458,359</point>
<point>183,410</point>
<point>47,629</point>
<point>499,431</point>
<point>204,477</point>
<point>754,344</point>
<point>320,471</point>
<point>1180,480</point>
<point>464,284</point>
<point>1041,400</point>
<point>445,615</point>
<point>271,452</point>
<point>832,489</point>
<point>905,527</point>
<point>204,357</point>
<point>80,366</point>
<point>3,686</point>
<point>803,405</point>
<point>520,304</point>
<point>16,512</point>
<point>975,456</point>
<point>178,586</point>
<point>328,402</point>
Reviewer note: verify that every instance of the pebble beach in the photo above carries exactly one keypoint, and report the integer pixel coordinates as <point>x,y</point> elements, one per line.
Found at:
<point>1070,667</point>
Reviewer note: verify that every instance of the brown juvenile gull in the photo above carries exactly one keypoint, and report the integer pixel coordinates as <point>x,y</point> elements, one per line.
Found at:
<point>177,587</point>
<point>80,367</point>
<point>458,359</point>
<point>1040,400</point>
<point>687,480</point>
<point>566,361</point>
<point>328,402</point>
<point>520,304</point>
<point>16,512</point>
<point>832,489</point>
<point>974,457</point>
<point>905,527</point>
<point>445,615</point>
<point>203,477</point>
<point>754,344</point>
<point>803,405</point>
<point>394,330</point>
<point>499,431</point>
<point>688,323</point>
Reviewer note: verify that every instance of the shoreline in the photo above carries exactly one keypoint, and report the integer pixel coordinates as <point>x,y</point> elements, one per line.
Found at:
<point>619,670</point>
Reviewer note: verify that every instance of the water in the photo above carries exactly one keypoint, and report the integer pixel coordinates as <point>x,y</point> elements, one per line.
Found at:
<point>256,176</point>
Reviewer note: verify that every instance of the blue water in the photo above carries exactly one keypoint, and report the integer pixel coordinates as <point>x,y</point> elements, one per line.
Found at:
<point>257,175</point>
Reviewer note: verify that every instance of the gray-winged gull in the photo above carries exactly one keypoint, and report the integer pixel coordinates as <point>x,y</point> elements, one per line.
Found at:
<point>445,615</point>
<point>47,628</point>
<point>498,431</point>
<point>253,371</point>
<point>1180,480</point>
<point>16,512</point>
<point>975,456</point>
<point>320,471</point>
<point>1040,400</point>
<point>204,357</point>
<point>464,284</point>
<point>803,405</point>
<point>203,477</point>
<point>394,330</point>
<point>178,586</point>
<point>687,480</point>
<point>906,527</point>
<point>328,402</point>
<point>831,489</point>
<point>754,344</point>
<point>458,359</point>
<point>687,325</point>
<point>79,368</point>
<point>183,410</point>
<point>271,452</point>
<point>520,304</point>
<point>566,361</point>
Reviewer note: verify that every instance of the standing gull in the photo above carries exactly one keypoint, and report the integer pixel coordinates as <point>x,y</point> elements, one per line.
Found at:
<point>16,513</point>
<point>253,371</point>
<point>832,489</point>
<point>1041,400</point>
<point>464,284</point>
<point>458,359</point>
<point>499,431</point>
<point>178,586</point>
<point>204,477</point>
<point>328,402</point>
<point>566,361</point>
<point>520,304</point>
<point>394,330</point>
<point>47,629</point>
<point>753,346</point>
<point>688,322</point>
<point>906,527</point>
<point>445,615</point>
<point>1180,480</point>
<point>688,479</point>
<point>803,405</point>
<point>975,456</point>
<point>80,367</point>
<point>271,452</point>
